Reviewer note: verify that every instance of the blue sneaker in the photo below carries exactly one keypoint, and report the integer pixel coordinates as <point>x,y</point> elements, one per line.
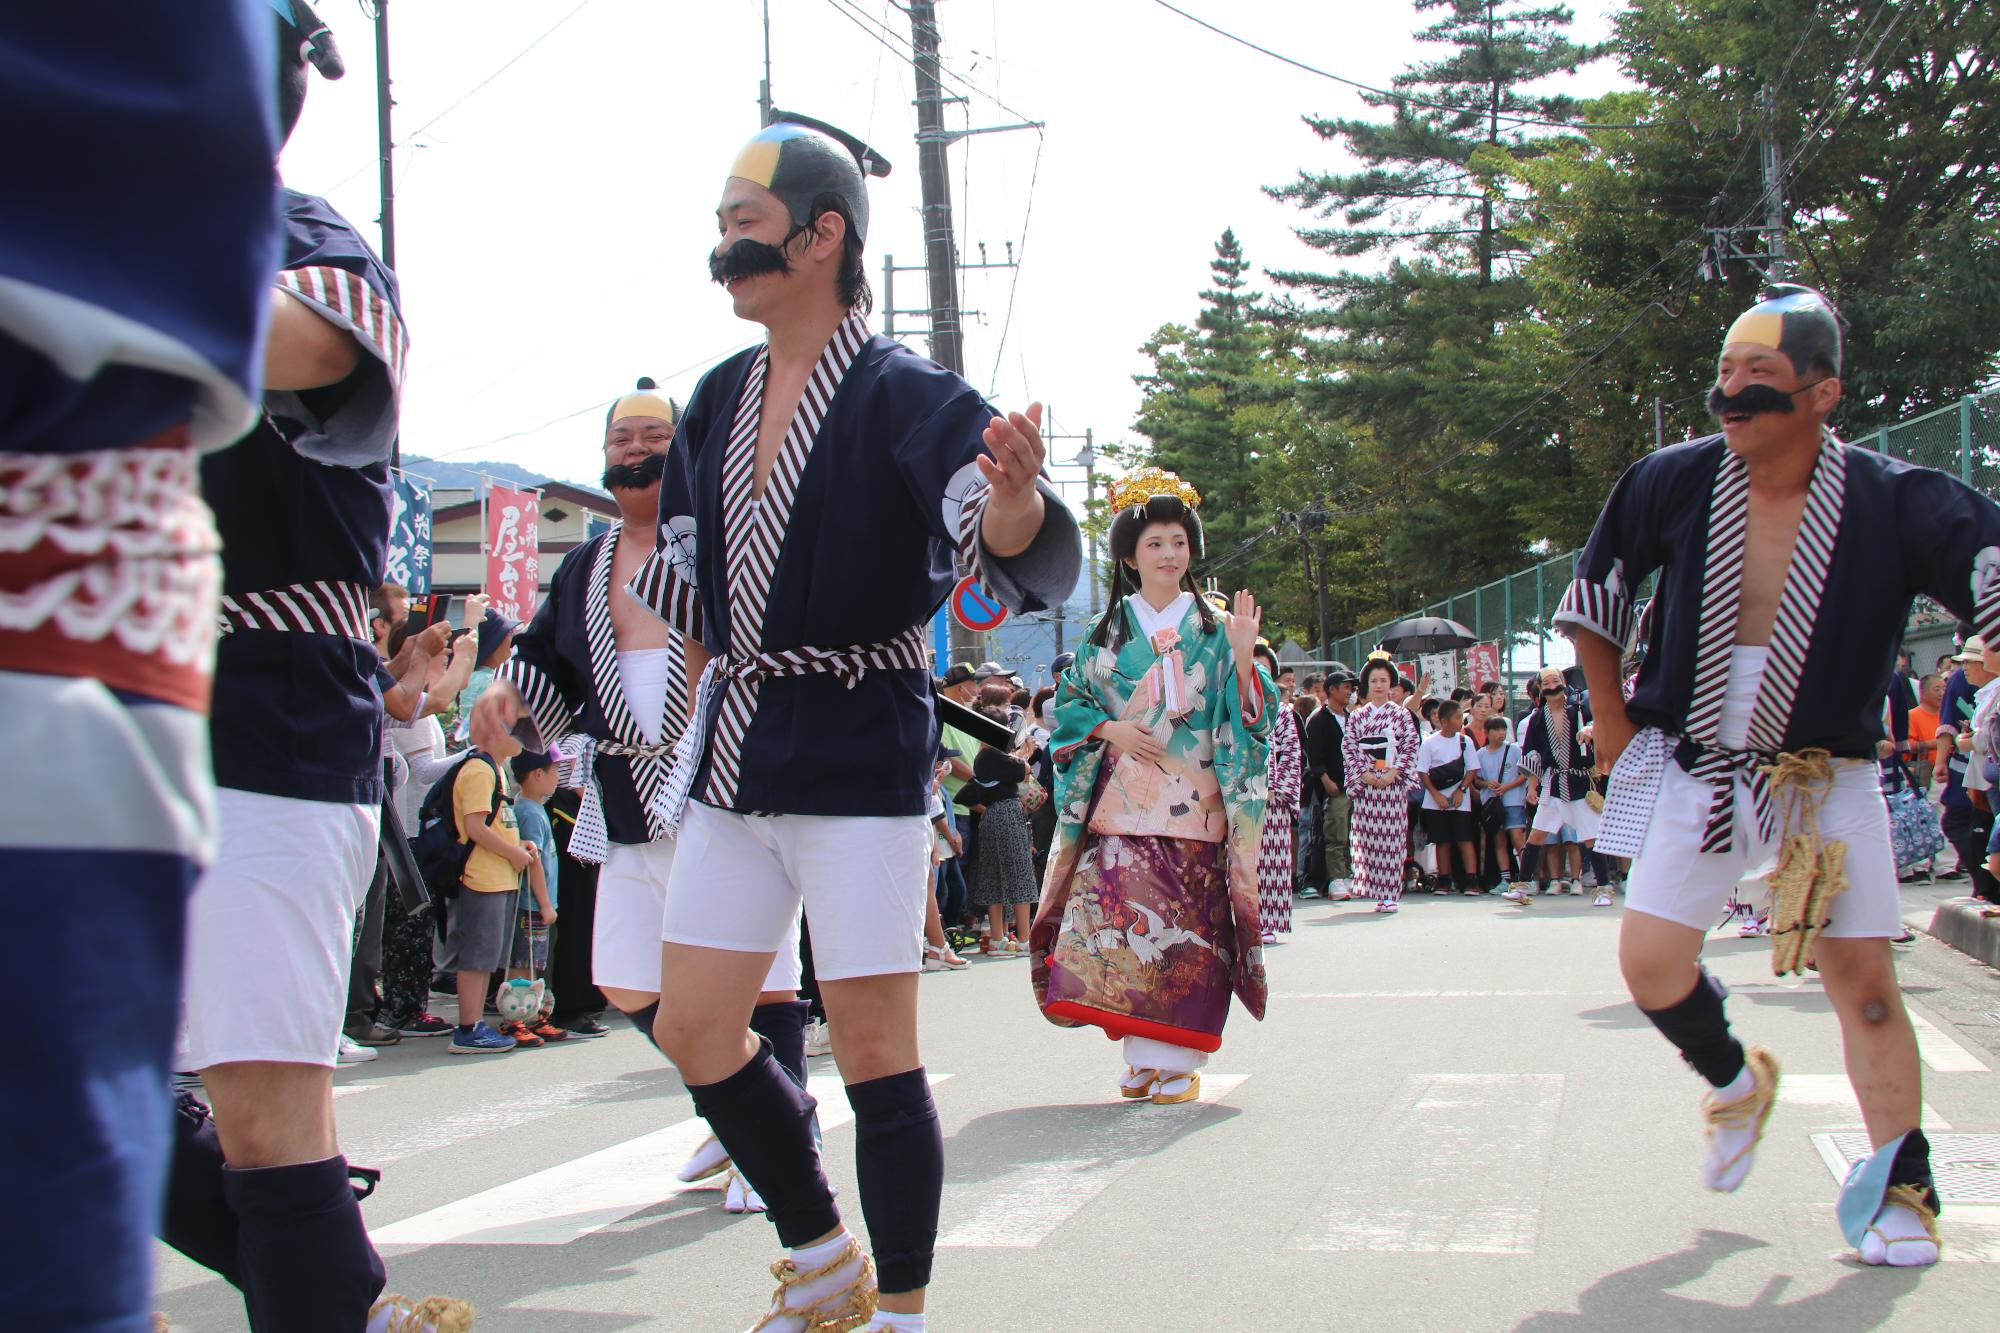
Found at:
<point>479,1039</point>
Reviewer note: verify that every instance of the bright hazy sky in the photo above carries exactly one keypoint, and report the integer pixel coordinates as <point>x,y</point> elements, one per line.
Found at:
<point>552,229</point>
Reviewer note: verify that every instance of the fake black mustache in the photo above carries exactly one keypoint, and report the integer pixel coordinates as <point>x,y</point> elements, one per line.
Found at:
<point>1756,399</point>
<point>636,476</point>
<point>747,259</point>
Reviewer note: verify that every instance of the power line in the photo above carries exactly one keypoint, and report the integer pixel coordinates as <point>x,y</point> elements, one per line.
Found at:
<point>469,92</point>
<point>1020,251</point>
<point>587,407</point>
<point>898,45</point>
<point>1406,98</point>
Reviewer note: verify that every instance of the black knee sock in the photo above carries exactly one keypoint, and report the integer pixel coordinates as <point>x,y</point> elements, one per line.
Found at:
<point>783,1024</point>
<point>1912,1166</point>
<point>642,1019</point>
<point>307,1264</point>
<point>764,1121</point>
<point>198,1220</point>
<point>1700,1030</point>
<point>899,1157</point>
<point>1531,861</point>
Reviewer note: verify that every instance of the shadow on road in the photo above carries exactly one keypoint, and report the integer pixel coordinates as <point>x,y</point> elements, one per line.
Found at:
<point>1082,1137</point>
<point>1641,1298</point>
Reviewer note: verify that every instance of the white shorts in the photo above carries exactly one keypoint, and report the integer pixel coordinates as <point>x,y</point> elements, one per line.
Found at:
<point>739,881</point>
<point>632,904</point>
<point>1551,815</point>
<point>271,930</point>
<point>1674,880</point>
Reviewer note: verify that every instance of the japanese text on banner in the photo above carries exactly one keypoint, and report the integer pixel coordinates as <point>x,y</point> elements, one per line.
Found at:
<point>513,550</point>
<point>409,560</point>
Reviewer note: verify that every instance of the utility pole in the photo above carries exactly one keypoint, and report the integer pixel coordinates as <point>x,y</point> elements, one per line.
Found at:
<point>1774,191</point>
<point>385,144</point>
<point>1659,423</point>
<point>934,173</point>
<point>764,88</point>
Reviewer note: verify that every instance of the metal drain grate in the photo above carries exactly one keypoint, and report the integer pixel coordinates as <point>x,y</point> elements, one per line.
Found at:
<point>1966,1166</point>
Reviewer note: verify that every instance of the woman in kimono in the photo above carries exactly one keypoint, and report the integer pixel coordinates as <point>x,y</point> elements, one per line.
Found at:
<point>1276,858</point>
<point>1148,918</point>
<point>1381,748</point>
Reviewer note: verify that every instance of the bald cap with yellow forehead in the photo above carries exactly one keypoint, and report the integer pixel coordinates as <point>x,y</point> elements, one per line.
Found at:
<point>800,159</point>
<point>1796,321</point>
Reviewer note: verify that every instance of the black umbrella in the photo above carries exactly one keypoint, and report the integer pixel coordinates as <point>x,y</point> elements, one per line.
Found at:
<point>1427,634</point>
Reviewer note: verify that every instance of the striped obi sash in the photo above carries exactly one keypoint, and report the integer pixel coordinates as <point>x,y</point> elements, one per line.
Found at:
<point>321,607</point>
<point>908,651</point>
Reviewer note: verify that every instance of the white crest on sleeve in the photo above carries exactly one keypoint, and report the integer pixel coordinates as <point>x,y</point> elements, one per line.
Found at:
<point>965,483</point>
<point>1614,582</point>
<point>680,534</point>
<point>1986,574</point>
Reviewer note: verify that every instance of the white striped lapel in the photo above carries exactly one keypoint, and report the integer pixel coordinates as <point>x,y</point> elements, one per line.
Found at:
<point>1721,592</point>
<point>1799,600</point>
<point>603,642</point>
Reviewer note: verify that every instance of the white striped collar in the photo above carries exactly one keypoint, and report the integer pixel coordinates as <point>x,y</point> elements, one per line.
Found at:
<point>1798,601</point>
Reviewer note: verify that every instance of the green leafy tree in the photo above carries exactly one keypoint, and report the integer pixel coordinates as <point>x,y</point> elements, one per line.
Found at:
<point>1408,349</point>
<point>1201,403</point>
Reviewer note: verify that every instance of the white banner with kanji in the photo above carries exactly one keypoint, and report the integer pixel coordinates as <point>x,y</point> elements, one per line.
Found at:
<point>513,550</point>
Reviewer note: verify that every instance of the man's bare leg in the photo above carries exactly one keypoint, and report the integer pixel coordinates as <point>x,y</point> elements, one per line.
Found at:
<point>1875,1034</point>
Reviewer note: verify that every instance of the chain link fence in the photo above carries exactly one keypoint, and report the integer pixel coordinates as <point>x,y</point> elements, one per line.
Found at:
<point>1514,612</point>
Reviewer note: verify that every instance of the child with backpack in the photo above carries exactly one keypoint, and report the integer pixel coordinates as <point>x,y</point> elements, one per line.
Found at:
<point>480,936</point>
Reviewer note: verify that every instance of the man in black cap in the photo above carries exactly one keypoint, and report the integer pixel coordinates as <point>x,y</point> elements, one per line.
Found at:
<point>819,491</point>
<point>1787,563</point>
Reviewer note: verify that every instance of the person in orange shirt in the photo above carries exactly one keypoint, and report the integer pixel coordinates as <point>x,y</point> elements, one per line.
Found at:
<point>1923,729</point>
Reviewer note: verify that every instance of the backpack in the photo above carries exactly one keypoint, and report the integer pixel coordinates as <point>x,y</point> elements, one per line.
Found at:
<point>441,854</point>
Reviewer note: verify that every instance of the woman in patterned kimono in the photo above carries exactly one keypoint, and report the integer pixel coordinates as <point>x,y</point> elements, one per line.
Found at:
<point>1277,854</point>
<point>1381,746</point>
<point>1148,918</point>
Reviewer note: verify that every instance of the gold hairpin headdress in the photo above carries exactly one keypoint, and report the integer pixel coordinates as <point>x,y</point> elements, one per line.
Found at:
<point>1130,492</point>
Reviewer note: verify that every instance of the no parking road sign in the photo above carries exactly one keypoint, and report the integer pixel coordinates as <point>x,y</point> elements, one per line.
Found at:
<point>973,608</point>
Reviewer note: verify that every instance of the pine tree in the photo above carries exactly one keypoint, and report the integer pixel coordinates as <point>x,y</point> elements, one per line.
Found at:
<point>1205,380</point>
<point>1408,347</point>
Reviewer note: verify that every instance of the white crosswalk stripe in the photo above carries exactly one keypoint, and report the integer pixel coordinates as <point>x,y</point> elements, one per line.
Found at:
<point>1497,1128</point>
<point>1024,1205</point>
<point>575,1198</point>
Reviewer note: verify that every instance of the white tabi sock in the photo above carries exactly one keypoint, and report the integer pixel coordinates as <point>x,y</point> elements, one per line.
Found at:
<point>1897,1237</point>
<point>822,1295</point>
<point>1732,1139</point>
<point>891,1322</point>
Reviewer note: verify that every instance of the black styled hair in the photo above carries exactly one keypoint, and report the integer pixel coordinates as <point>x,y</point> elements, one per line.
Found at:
<point>1262,652</point>
<point>1378,665</point>
<point>1126,525</point>
<point>851,281</point>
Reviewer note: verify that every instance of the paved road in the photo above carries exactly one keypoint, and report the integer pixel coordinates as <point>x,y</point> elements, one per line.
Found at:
<point>1452,1120</point>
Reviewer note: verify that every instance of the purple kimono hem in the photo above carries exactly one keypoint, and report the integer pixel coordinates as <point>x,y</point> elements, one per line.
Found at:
<point>1148,942</point>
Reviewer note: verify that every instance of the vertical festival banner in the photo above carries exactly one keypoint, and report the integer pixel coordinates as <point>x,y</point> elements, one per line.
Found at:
<point>410,535</point>
<point>513,550</point>
<point>1482,663</point>
<point>1442,668</point>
